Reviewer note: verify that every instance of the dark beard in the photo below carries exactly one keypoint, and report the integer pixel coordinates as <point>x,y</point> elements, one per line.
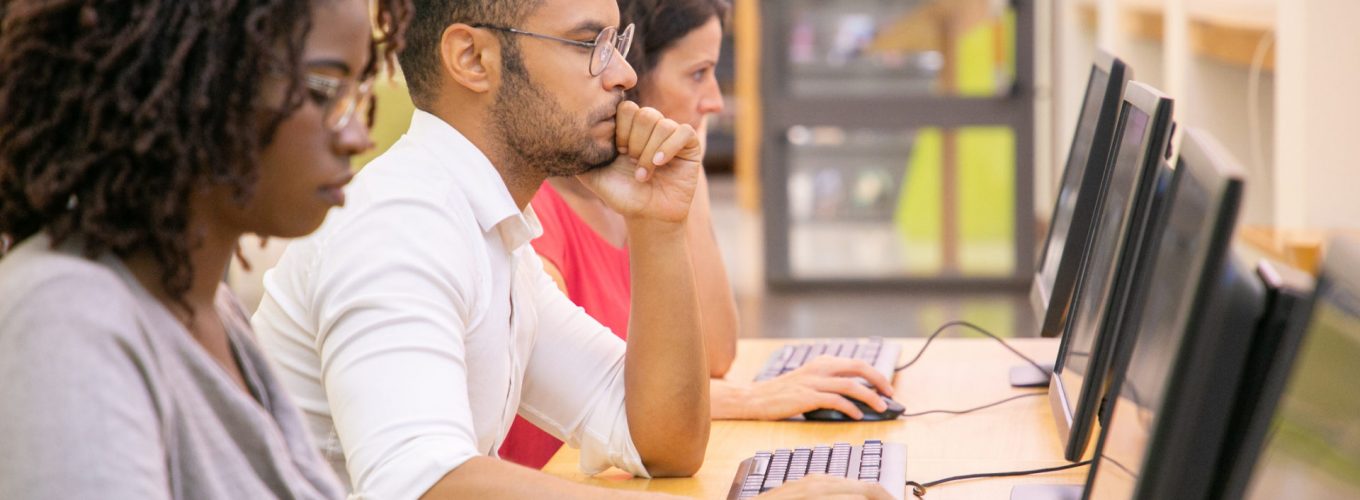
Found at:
<point>540,134</point>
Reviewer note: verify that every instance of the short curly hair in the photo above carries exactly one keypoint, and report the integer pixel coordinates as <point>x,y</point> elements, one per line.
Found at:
<point>659,23</point>
<point>116,111</point>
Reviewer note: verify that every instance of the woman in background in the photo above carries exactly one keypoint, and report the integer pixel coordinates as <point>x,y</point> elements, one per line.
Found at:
<point>675,50</point>
<point>140,140</point>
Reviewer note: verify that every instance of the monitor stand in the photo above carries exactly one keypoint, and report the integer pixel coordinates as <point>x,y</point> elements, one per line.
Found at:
<point>1026,376</point>
<point>1046,491</point>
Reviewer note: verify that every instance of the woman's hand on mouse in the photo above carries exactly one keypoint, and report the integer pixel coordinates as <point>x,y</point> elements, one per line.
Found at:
<point>823,382</point>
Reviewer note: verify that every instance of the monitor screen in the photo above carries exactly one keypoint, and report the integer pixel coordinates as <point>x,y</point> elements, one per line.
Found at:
<point>1171,290</point>
<point>1081,372</point>
<point>1312,449</point>
<point>1099,272</point>
<point>1072,176</point>
<point>1084,176</point>
<point>1185,342</point>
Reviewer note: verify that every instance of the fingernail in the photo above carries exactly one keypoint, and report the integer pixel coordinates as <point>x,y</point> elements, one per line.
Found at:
<point>640,174</point>
<point>658,158</point>
<point>623,150</point>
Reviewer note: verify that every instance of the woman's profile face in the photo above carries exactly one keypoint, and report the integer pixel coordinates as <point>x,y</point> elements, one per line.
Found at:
<point>305,165</point>
<point>681,85</point>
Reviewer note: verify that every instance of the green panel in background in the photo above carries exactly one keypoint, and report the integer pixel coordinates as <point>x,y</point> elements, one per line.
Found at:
<point>986,200</point>
<point>919,216</point>
<point>986,155</point>
<point>931,318</point>
<point>986,57</point>
<point>997,316</point>
<point>392,119</point>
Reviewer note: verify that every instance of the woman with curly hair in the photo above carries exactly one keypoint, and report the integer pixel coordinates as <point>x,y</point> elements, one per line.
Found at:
<point>140,140</point>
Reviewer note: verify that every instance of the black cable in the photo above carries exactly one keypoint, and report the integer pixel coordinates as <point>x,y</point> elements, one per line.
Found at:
<point>983,407</point>
<point>919,489</point>
<point>978,329</point>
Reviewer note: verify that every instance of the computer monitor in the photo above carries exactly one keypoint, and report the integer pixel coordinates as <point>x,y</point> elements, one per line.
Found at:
<point>1185,359</point>
<point>1080,374</point>
<point>1289,300</point>
<point>1309,444</point>
<point>1069,231</point>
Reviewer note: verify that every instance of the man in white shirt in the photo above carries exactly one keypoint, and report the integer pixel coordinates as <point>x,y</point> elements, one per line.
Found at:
<point>418,320</point>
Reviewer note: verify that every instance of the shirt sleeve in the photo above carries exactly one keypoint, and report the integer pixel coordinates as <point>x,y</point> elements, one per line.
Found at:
<point>78,418</point>
<point>392,315</point>
<point>573,385</point>
<point>551,244</point>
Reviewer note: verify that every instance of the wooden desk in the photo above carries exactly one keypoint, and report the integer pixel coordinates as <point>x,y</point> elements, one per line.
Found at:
<point>953,374</point>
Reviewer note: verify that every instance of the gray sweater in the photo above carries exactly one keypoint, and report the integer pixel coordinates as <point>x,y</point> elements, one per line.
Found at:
<point>103,394</point>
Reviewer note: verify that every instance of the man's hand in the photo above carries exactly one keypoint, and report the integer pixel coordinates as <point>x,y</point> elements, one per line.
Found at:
<point>657,169</point>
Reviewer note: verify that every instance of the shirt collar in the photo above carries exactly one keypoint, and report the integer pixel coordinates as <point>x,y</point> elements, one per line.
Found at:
<point>479,180</point>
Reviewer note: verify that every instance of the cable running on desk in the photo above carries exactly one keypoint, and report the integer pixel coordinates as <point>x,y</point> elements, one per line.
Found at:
<point>970,410</point>
<point>978,329</point>
<point>919,489</point>
<point>983,331</point>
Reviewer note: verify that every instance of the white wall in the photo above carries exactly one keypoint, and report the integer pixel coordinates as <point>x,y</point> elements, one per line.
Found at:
<point>1296,135</point>
<point>1072,52</point>
<point>1217,99</point>
<point>1317,153</point>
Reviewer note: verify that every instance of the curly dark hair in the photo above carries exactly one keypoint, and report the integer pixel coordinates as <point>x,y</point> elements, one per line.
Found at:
<point>659,23</point>
<point>116,111</point>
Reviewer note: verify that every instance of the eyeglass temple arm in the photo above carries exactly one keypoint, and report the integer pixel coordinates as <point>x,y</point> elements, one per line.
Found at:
<point>589,45</point>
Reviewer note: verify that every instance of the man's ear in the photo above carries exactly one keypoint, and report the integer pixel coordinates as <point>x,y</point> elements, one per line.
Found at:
<point>470,57</point>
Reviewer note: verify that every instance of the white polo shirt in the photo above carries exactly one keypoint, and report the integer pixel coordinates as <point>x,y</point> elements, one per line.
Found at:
<point>415,323</point>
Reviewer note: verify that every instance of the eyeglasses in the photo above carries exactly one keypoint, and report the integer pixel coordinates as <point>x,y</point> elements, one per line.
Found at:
<point>601,53</point>
<point>341,100</point>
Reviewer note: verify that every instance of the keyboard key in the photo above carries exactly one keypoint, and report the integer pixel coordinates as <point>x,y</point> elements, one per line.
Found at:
<point>874,351</point>
<point>797,358</point>
<point>762,463</point>
<point>871,462</point>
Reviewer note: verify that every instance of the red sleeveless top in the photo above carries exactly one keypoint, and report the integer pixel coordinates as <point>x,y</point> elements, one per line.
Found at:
<point>597,278</point>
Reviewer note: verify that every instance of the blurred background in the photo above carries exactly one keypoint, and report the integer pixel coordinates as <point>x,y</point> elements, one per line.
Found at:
<point>883,166</point>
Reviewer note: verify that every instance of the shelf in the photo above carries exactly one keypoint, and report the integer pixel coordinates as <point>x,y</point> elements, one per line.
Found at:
<point>1227,32</point>
<point>1298,247</point>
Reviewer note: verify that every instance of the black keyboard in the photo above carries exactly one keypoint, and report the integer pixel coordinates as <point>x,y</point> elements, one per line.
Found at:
<point>879,354</point>
<point>874,462</point>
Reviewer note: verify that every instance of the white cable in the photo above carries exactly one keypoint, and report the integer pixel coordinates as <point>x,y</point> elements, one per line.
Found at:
<point>1258,60</point>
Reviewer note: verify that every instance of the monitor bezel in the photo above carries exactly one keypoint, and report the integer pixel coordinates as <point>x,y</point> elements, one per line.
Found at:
<point>1340,269</point>
<point>1076,419</point>
<point>1095,173</point>
<point>1339,278</point>
<point>1268,366</point>
<point>1207,367</point>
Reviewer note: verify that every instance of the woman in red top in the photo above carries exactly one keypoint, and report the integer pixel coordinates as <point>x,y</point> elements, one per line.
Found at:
<point>583,246</point>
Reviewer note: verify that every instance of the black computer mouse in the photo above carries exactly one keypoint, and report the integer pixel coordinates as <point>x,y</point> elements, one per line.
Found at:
<point>893,411</point>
